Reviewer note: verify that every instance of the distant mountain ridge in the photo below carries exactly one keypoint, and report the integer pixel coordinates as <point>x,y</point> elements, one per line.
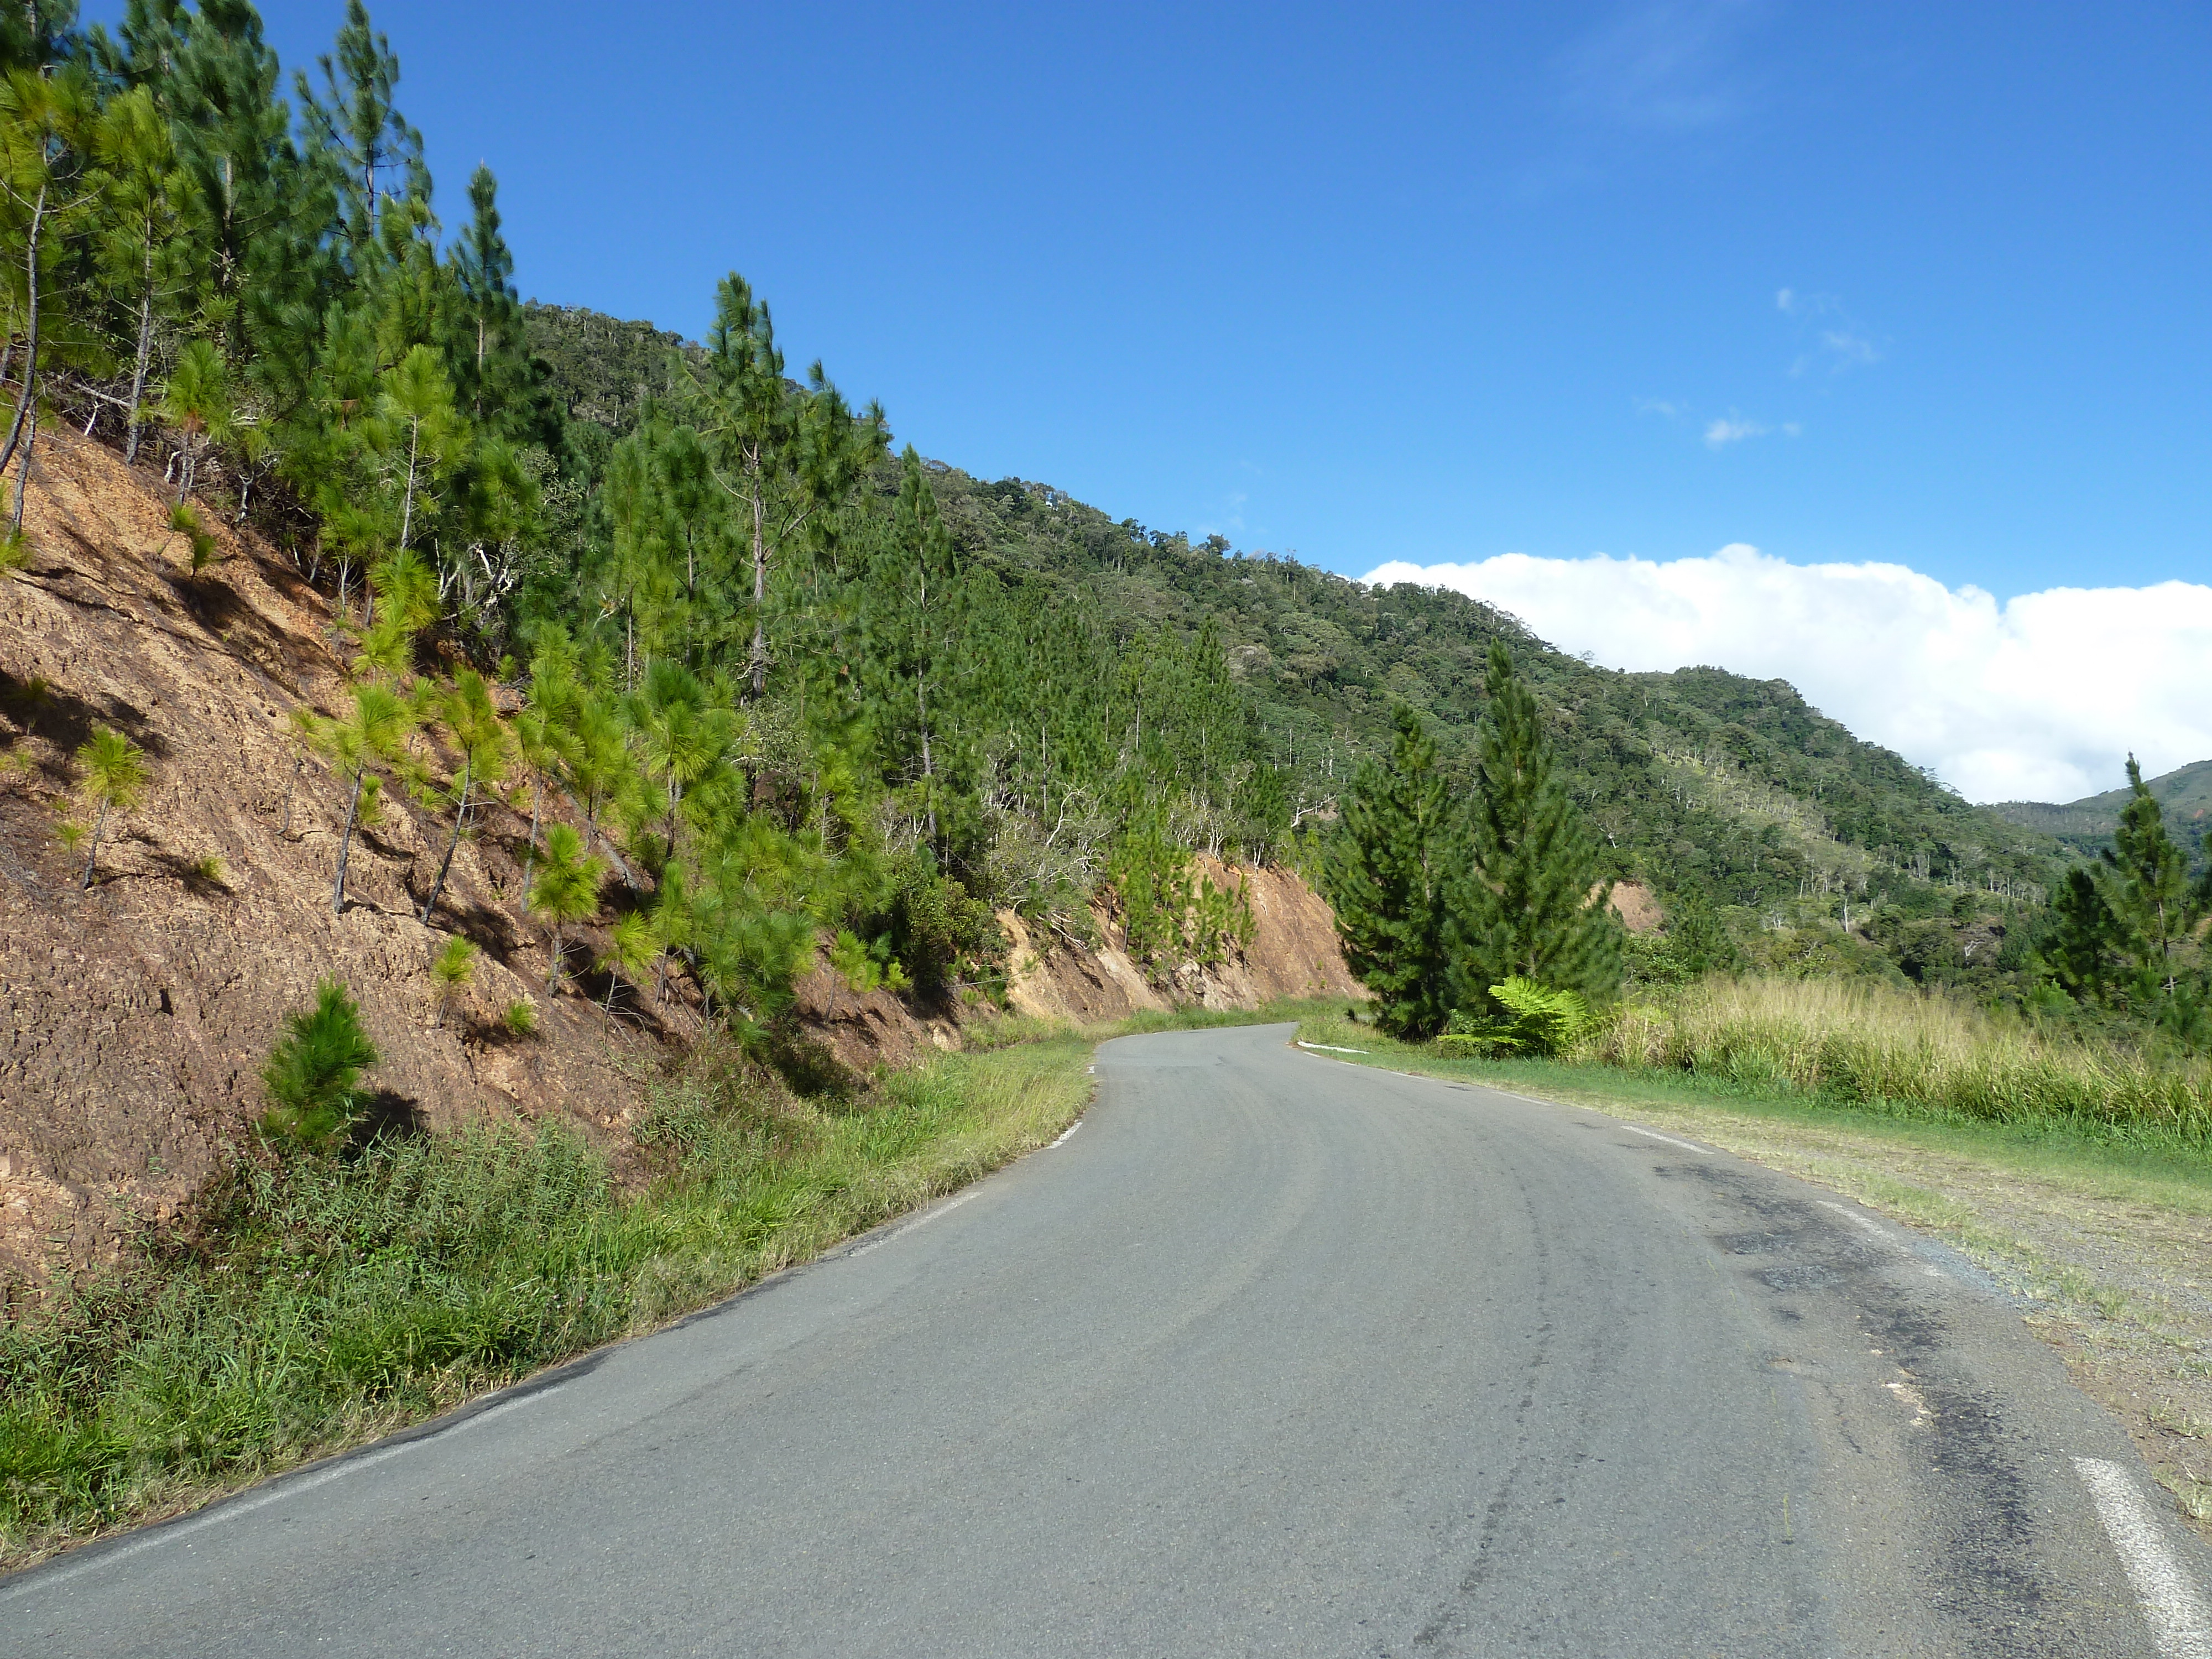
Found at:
<point>2085,825</point>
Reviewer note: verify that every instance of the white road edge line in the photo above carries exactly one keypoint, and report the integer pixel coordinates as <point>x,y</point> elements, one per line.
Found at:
<point>1879,1232</point>
<point>922,1220</point>
<point>1066,1133</point>
<point>34,1579</point>
<point>1654,1134</point>
<point>1856,1219</point>
<point>2179,1621</point>
<point>1330,1047</point>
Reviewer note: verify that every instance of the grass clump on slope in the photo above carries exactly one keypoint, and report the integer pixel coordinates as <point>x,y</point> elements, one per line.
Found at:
<point>323,1301</point>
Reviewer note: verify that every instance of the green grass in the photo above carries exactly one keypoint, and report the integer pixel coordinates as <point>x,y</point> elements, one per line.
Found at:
<point>2092,1154</point>
<point>322,1301</point>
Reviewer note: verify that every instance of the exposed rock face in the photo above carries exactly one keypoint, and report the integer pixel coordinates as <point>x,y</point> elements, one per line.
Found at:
<point>1293,953</point>
<point>134,1018</point>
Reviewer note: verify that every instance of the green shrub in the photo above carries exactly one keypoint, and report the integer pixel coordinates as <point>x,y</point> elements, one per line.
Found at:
<point>311,1073</point>
<point>1532,1020</point>
<point>186,523</point>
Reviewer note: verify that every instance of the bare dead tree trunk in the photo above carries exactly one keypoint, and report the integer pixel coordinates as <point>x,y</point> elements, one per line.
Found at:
<point>145,353</point>
<point>98,824</point>
<point>760,585</point>
<point>460,818</point>
<point>345,846</point>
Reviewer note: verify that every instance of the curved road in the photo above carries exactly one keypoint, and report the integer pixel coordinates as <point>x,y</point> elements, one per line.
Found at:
<point>1275,1356</point>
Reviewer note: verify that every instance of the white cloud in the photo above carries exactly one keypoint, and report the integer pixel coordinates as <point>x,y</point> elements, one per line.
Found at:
<point>2039,697</point>
<point>1841,343</point>
<point>1720,433</point>
<point>1663,65</point>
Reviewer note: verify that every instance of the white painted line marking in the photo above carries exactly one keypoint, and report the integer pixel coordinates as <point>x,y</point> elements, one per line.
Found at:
<point>2179,1621</point>
<point>1856,1219</point>
<point>1331,1048</point>
<point>922,1220</point>
<point>1878,1230</point>
<point>1654,1134</point>
<point>1066,1133</point>
<point>280,1489</point>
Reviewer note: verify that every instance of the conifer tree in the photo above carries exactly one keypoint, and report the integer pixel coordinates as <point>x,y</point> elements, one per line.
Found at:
<point>567,891</point>
<point>144,244</point>
<point>1385,871</point>
<point>310,1074</point>
<point>359,127</point>
<point>2083,934</point>
<point>45,124</point>
<point>450,972</point>
<point>196,400</point>
<point>1529,903</point>
<point>466,710</point>
<point>2148,886</point>
<point>907,631</point>
<point>495,360</point>
<point>115,778</point>
<point>373,731</point>
<point>787,460</point>
<point>418,405</point>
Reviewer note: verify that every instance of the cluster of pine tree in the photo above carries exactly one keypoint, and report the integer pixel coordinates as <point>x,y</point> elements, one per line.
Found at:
<point>1464,913</point>
<point>2122,937</point>
<point>766,693</point>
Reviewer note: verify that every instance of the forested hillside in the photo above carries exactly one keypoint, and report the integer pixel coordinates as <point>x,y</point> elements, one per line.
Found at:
<point>791,681</point>
<point>2087,825</point>
<point>1703,783</point>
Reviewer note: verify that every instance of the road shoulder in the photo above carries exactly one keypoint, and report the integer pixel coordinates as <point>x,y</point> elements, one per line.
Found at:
<point>2109,1257</point>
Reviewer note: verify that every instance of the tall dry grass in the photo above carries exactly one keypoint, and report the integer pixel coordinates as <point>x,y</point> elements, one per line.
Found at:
<point>1870,1043</point>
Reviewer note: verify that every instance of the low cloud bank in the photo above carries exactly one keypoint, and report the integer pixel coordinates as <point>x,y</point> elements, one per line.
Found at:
<point>2038,698</point>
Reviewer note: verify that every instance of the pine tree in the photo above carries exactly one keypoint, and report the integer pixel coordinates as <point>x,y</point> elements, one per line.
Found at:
<point>375,731</point>
<point>466,712</point>
<point>494,359</point>
<point>115,778</point>
<point>1385,873</point>
<point>312,1071</point>
<point>144,248</point>
<point>450,972</point>
<point>566,889</point>
<point>1530,903</point>
<point>2147,884</point>
<point>360,128</point>
<point>788,460</point>
<point>2081,938</point>
<point>46,122</point>
<point>908,633</point>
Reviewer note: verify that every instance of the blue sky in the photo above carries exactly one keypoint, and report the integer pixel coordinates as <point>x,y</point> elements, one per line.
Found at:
<point>1877,282</point>
<point>1399,282</point>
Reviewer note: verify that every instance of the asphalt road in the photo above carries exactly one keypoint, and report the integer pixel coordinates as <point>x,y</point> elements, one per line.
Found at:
<point>1275,1356</point>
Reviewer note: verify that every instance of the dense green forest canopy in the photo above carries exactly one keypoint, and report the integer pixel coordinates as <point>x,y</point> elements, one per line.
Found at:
<point>790,679</point>
<point>2087,825</point>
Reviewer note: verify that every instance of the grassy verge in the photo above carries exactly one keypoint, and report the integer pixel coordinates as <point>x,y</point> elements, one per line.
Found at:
<point>2104,1229</point>
<point>319,1303</point>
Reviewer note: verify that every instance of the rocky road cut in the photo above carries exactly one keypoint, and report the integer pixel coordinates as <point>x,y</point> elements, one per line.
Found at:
<point>1273,1355</point>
